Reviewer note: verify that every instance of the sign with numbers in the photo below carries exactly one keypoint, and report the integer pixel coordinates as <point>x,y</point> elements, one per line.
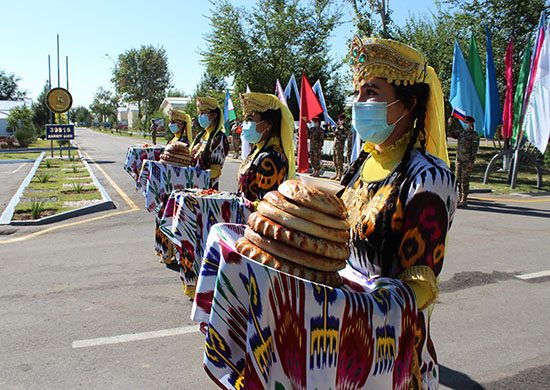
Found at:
<point>59,132</point>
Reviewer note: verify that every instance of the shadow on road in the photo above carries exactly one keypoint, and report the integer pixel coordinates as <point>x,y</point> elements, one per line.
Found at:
<point>457,380</point>
<point>495,207</point>
<point>102,162</point>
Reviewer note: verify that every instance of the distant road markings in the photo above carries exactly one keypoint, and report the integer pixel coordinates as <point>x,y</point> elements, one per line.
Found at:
<point>20,166</point>
<point>124,338</point>
<point>534,275</point>
<point>130,202</point>
<point>122,194</point>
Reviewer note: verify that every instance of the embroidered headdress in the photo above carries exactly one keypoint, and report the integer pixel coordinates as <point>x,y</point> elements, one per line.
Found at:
<point>177,115</point>
<point>206,103</point>
<point>401,64</point>
<point>254,102</point>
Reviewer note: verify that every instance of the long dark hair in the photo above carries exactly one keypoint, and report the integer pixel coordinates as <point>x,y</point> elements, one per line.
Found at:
<point>418,92</point>
<point>273,117</point>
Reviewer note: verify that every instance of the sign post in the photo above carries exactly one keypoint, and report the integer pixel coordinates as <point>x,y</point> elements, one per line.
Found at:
<point>59,101</point>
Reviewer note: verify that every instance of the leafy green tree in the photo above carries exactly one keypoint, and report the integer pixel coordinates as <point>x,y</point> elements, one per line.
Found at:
<point>212,86</point>
<point>457,19</point>
<point>20,119</point>
<point>81,115</point>
<point>174,92</point>
<point>366,15</point>
<point>104,105</point>
<point>273,40</point>
<point>141,76</point>
<point>9,87</point>
<point>40,112</point>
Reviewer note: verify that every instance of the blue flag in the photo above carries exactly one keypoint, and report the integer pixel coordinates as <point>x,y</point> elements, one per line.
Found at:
<point>463,94</point>
<point>493,112</point>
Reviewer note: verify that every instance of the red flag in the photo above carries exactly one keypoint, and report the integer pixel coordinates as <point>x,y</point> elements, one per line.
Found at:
<point>508,112</point>
<point>309,109</point>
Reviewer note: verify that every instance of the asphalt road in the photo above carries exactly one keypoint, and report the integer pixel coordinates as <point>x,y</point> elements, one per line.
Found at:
<point>99,278</point>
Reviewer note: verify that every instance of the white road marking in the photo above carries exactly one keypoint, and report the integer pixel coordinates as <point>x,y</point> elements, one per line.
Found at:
<point>20,166</point>
<point>534,275</point>
<point>124,338</point>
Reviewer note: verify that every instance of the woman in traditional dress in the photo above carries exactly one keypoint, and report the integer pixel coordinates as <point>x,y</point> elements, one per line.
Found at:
<point>400,192</point>
<point>180,127</point>
<point>210,147</point>
<point>269,128</point>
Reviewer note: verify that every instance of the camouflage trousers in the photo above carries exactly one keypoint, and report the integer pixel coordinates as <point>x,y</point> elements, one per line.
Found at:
<point>315,156</point>
<point>339,156</point>
<point>463,172</point>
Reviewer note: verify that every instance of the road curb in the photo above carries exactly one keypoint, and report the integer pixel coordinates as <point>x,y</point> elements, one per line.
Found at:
<point>106,204</point>
<point>7,215</point>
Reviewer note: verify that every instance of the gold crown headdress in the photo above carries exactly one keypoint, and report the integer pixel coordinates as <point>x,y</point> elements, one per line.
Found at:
<point>206,103</point>
<point>392,60</point>
<point>260,102</point>
<point>401,64</point>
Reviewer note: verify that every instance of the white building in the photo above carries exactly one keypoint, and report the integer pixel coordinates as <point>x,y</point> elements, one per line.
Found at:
<point>174,103</point>
<point>5,107</point>
<point>128,114</point>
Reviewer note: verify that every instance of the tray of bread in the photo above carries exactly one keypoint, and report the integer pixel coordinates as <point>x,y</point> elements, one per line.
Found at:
<point>176,153</point>
<point>301,231</point>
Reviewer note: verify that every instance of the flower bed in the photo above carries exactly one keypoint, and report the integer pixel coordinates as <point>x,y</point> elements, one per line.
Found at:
<point>58,185</point>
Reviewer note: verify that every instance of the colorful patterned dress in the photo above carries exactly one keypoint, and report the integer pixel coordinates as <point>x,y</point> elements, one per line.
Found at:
<point>410,245</point>
<point>264,169</point>
<point>209,150</point>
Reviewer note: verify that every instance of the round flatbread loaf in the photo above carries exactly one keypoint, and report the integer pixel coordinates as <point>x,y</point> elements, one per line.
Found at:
<point>248,249</point>
<point>296,239</point>
<point>278,200</point>
<point>178,146</point>
<point>299,224</point>
<point>171,159</point>
<point>316,262</point>
<point>313,198</point>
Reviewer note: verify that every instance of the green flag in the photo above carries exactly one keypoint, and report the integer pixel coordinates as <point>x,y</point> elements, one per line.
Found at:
<point>476,70</point>
<point>520,89</point>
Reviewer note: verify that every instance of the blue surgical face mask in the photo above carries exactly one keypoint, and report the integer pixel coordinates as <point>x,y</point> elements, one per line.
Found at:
<point>173,128</point>
<point>204,121</point>
<point>369,120</point>
<point>250,134</point>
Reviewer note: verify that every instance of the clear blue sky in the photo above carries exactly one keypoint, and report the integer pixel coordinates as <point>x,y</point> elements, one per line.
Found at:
<point>90,30</point>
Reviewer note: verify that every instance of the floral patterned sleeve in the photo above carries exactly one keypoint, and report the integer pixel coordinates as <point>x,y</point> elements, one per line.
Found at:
<point>219,148</point>
<point>427,217</point>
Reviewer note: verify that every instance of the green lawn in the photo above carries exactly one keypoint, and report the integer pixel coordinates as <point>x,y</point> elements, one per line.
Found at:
<point>56,182</point>
<point>121,133</point>
<point>19,156</point>
<point>526,180</point>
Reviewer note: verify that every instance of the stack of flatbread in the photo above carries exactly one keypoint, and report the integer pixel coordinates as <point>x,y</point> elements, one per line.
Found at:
<point>176,153</point>
<point>301,231</point>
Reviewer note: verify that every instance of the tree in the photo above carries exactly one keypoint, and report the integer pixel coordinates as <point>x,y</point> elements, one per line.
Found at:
<point>174,92</point>
<point>81,115</point>
<point>366,14</point>
<point>459,18</point>
<point>40,112</point>
<point>20,119</point>
<point>104,105</point>
<point>209,85</point>
<point>141,76</point>
<point>9,87</point>
<point>273,40</point>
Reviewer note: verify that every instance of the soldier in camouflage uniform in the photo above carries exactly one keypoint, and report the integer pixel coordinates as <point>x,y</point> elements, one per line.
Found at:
<point>466,150</point>
<point>316,138</point>
<point>340,136</point>
<point>349,146</point>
